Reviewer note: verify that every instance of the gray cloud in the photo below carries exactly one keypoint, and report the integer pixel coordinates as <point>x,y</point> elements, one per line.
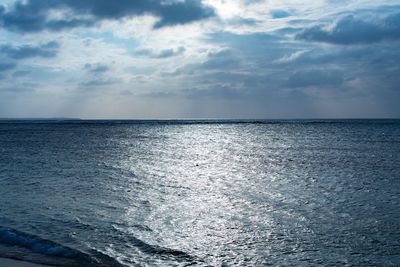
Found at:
<point>47,50</point>
<point>171,52</point>
<point>158,94</point>
<point>242,21</point>
<point>96,77</point>
<point>24,87</point>
<point>96,68</point>
<point>20,73</point>
<point>214,92</point>
<point>99,83</point>
<point>352,30</point>
<point>166,53</point>
<point>244,41</point>
<point>33,15</point>
<point>6,66</point>
<point>181,12</point>
<point>248,69</point>
<point>315,77</point>
<point>222,60</point>
<point>217,91</point>
<point>240,78</point>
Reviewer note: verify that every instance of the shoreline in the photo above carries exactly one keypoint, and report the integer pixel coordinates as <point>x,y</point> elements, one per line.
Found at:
<point>7,262</point>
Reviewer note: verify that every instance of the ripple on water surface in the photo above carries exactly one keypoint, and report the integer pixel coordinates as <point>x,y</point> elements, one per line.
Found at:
<point>289,193</point>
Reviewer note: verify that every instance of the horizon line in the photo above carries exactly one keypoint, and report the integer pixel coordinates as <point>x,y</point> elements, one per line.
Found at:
<point>189,119</point>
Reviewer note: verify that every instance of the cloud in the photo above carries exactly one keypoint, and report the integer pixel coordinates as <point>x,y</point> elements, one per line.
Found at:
<point>290,58</point>
<point>47,50</point>
<point>352,30</point>
<point>214,92</point>
<point>24,87</point>
<point>244,41</point>
<point>225,59</point>
<point>315,77</point>
<point>181,12</point>
<point>96,68</point>
<point>166,53</point>
<point>158,94</point>
<point>35,15</point>
<point>243,21</point>
<point>20,73</point>
<point>245,64</point>
<point>171,52</point>
<point>99,83</point>
<point>218,91</point>
<point>6,66</point>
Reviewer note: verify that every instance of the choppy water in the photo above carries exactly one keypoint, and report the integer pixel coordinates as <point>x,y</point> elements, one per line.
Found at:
<point>287,193</point>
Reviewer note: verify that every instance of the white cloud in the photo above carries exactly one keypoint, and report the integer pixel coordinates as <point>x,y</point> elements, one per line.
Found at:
<point>291,57</point>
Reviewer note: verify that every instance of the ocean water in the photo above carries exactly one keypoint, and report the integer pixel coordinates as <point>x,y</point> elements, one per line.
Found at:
<point>201,193</point>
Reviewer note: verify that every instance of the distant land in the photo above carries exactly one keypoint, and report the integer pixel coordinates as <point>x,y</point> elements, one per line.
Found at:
<point>39,119</point>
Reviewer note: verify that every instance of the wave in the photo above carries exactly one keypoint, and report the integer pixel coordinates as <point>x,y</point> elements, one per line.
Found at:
<point>24,246</point>
<point>156,250</point>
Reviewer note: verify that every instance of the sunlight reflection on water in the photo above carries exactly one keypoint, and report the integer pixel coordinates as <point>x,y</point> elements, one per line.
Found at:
<point>291,194</point>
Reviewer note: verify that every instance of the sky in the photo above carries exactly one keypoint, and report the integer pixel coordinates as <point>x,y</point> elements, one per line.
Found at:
<point>188,59</point>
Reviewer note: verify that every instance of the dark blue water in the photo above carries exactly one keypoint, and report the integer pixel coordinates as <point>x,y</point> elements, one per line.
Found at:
<point>209,193</point>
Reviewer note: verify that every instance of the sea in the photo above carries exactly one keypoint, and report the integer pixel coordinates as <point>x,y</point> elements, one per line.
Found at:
<point>201,192</point>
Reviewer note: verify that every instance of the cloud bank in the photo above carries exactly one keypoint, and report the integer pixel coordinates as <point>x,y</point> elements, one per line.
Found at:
<point>352,30</point>
<point>36,15</point>
<point>221,59</point>
<point>47,50</point>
